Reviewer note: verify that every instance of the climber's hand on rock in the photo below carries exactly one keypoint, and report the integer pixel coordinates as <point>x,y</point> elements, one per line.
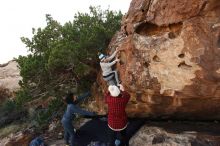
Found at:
<point>121,87</point>
<point>117,60</point>
<point>117,49</point>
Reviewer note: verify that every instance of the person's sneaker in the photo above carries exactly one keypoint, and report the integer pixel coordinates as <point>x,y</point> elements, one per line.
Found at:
<point>117,142</point>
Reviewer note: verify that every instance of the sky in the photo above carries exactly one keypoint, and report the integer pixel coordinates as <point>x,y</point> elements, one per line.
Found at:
<point>18,17</point>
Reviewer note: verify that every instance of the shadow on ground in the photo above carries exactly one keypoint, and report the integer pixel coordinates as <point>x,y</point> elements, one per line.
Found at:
<point>97,130</point>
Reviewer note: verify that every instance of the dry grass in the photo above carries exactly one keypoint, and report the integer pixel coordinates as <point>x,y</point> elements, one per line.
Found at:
<point>4,94</point>
<point>12,128</point>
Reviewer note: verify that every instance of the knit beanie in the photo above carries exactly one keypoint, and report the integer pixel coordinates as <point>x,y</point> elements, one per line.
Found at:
<point>114,90</point>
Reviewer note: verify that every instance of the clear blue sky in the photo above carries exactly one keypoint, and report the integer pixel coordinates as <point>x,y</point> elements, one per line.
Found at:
<point>18,17</point>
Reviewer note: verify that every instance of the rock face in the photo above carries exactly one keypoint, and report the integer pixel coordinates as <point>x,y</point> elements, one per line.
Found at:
<point>171,135</point>
<point>171,59</point>
<point>9,75</point>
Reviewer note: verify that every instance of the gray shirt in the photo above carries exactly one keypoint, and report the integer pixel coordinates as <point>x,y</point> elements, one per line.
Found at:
<point>107,66</point>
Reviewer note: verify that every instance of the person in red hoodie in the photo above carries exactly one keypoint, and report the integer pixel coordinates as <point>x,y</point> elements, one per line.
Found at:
<point>117,99</point>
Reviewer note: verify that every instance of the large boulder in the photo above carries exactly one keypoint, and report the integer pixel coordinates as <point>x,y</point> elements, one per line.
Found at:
<point>10,75</point>
<point>171,59</point>
<point>176,134</point>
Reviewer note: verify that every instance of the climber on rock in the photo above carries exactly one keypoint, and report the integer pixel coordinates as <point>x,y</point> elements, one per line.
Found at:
<point>117,100</point>
<point>69,115</point>
<point>106,64</point>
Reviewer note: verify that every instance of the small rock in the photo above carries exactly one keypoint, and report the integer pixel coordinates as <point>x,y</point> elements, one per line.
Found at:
<point>60,135</point>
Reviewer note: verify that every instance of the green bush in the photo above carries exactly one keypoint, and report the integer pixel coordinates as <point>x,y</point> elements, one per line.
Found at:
<point>22,96</point>
<point>64,57</point>
<point>9,106</point>
<point>44,116</point>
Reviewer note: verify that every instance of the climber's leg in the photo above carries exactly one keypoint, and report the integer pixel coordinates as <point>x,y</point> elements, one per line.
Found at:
<point>111,137</point>
<point>124,138</point>
<point>111,82</point>
<point>66,133</point>
<point>72,136</point>
<point>116,77</point>
<point>69,133</point>
<point>66,137</point>
<point>72,139</point>
<point>109,79</point>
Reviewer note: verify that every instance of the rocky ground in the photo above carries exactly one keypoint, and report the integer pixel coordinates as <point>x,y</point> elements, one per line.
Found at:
<point>177,134</point>
<point>140,133</point>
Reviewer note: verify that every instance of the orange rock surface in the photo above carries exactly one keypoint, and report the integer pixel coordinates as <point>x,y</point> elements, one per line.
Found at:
<point>171,59</point>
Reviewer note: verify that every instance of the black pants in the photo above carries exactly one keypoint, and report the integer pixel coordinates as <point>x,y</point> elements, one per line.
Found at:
<point>121,135</point>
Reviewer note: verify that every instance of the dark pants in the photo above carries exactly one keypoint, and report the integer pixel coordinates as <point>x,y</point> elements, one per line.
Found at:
<point>121,135</point>
<point>69,133</point>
